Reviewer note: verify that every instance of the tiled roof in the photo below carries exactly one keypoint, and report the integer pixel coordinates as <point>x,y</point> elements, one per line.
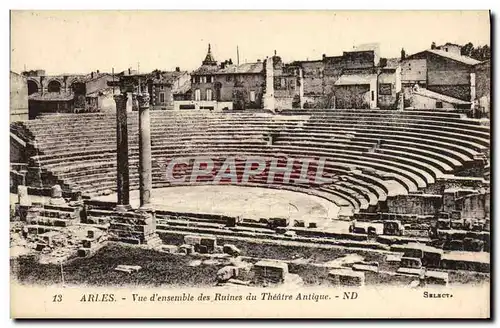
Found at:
<point>90,77</point>
<point>52,96</point>
<point>459,58</point>
<point>206,69</point>
<point>355,79</point>
<point>441,97</point>
<point>167,77</point>
<point>247,68</point>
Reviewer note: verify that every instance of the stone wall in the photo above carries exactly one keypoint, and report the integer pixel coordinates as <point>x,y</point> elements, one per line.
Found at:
<point>423,102</point>
<point>414,71</point>
<point>352,96</point>
<point>418,204</point>
<point>449,77</point>
<point>483,88</point>
<point>18,97</point>
<point>456,91</point>
<point>313,77</point>
<point>359,59</point>
<point>389,88</point>
<point>238,88</point>
<point>455,182</point>
<point>98,84</point>
<point>106,103</point>
<point>483,79</point>
<point>475,206</point>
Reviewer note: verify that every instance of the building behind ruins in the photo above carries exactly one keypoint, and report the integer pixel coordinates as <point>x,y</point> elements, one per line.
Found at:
<point>244,86</point>
<point>68,93</point>
<point>18,97</point>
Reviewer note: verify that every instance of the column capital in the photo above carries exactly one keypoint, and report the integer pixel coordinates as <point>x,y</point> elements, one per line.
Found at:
<point>143,100</point>
<point>120,97</point>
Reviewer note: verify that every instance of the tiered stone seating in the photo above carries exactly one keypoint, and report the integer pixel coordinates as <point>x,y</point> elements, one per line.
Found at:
<point>371,154</point>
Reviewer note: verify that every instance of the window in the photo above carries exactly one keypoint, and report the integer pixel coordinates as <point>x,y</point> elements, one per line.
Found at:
<point>252,96</point>
<point>54,86</point>
<point>209,79</point>
<point>197,79</point>
<point>197,95</point>
<point>203,79</point>
<point>385,89</point>
<point>373,95</point>
<point>439,104</point>
<point>209,94</point>
<point>161,87</point>
<point>162,97</point>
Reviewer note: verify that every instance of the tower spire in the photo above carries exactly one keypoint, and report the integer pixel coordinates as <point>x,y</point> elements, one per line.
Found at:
<point>209,58</point>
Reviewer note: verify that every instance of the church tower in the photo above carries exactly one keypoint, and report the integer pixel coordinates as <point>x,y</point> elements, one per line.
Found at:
<point>209,59</point>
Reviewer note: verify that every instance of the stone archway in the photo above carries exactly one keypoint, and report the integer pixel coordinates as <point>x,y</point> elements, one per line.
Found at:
<point>54,86</point>
<point>32,87</point>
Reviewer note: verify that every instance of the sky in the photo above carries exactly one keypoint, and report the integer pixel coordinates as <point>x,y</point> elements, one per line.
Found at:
<point>83,41</point>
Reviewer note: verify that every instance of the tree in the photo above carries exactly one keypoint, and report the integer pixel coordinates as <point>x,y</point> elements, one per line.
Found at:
<point>403,53</point>
<point>486,52</point>
<point>467,49</point>
<point>480,53</point>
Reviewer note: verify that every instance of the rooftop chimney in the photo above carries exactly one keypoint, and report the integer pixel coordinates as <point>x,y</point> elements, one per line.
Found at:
<point>91,75</point>
<point>177,69</point>
<point>97,71</point>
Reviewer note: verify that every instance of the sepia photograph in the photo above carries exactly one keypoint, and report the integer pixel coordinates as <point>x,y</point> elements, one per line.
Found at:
<point>257,164</point>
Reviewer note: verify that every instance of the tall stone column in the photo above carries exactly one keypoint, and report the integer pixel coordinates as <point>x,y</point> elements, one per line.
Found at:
<point>268,97</point>
<point>145,171</point>
<point>301,88</point>
<point>122,173</point>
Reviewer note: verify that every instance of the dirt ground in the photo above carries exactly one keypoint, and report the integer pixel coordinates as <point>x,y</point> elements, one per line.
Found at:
<point>247,202</point>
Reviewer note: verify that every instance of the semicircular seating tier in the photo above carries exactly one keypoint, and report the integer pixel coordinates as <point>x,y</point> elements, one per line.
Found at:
<point>371,154</point>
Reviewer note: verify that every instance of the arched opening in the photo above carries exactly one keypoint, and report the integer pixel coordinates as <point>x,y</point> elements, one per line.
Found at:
<point>79,92</point>
<point>54,86</point>
<point>32,87</point>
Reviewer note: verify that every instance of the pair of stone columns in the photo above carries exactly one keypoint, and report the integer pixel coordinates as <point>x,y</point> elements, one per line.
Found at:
<point>145,170</point>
